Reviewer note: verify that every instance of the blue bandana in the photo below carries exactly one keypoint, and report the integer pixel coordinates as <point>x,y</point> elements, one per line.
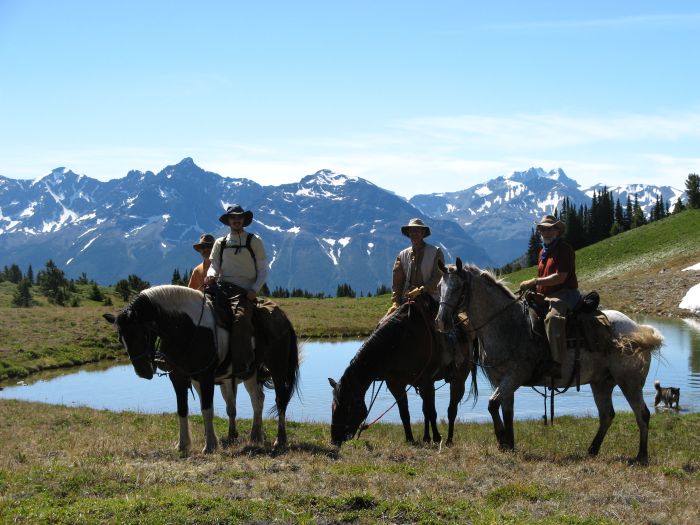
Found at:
<point>548,248</point>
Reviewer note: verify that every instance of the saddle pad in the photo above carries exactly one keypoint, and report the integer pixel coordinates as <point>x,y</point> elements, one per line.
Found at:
<point>595,328</point>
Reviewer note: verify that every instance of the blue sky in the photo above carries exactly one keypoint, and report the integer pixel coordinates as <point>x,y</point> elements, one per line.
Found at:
<point>416,97</point>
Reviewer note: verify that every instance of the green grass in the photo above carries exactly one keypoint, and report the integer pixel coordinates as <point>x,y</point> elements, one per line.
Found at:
<point>78,465</point>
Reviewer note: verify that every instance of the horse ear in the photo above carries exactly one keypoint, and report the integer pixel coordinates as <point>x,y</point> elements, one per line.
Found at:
<point>458,264</point>
<point>332,382</point>
<point>110,318</point>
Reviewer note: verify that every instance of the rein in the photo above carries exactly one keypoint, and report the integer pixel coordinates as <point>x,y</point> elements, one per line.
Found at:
<point>365,425</point>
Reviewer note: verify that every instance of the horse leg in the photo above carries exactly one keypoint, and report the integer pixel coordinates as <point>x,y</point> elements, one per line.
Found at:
<point>229,388</point>
<point>456,395</point>
<point>632,390</point>
<point>206,399</point>
<point>507,409</point>
<point>180,385</point>
<point>399,393</point>
<point>602,394</point>
<point>280,395</point>
<point>494,409</point>
<point>257,399</point>
<point>427,393</point>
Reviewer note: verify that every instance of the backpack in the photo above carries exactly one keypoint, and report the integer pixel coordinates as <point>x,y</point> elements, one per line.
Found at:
<point>222,247</point>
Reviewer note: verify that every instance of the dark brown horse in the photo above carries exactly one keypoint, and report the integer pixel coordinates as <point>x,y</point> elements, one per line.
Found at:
<point>194,350</point>
<point>404,350</point>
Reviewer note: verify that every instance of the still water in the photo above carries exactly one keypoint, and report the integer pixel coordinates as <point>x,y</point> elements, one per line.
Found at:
<point>118,388</point>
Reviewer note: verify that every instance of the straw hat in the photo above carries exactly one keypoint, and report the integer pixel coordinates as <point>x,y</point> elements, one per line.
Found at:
<point>550,221</point>
<point>206,240</point>
<point>415,223</point>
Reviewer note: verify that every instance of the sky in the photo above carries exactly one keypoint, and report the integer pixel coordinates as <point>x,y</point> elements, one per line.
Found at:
<point>416,97</point>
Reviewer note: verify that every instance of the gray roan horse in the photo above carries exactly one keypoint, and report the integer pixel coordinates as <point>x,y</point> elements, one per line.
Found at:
<point>403,351</point>
<point>195,349</point>
<point>510,357</point>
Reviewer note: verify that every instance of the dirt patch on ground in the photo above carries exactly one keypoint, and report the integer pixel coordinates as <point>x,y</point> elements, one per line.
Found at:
<point>656,289</point>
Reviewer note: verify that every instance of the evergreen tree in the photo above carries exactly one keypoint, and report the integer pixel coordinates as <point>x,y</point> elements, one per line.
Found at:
<point>265,291</point>
<point>628,214</point>
<point>344,290</point>
<point>22,297</point>
<point>95,293</point>
<point>14,274</point>
<point>122,289</point>
<point>692,190</point>
<point>30,275</point>
<point>83,279</point>
<point>678,207</point>
<point>176,279</point>
<point>53,284</point>
<point>637,214</point>
<point>534,246</point>
<point>619,216</point>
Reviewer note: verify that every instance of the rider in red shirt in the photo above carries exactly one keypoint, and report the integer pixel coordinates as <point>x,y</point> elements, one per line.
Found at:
<point>556,280</point>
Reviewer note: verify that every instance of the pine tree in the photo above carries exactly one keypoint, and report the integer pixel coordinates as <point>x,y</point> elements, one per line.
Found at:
<point>637,214</point>
<point>22,297</point>
<point>30,275</point>
<point>95,293</point>
<point>678,207</point>
<point>628,214</point>
<point>53,284</point>
<point>534,246</point>
<point>692,190</point>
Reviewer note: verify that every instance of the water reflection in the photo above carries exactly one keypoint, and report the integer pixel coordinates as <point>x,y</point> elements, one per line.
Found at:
<point>117,387</point>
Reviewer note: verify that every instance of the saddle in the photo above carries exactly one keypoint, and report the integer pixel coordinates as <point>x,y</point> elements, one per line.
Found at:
<point>586,326</point>
<point>269,321</point>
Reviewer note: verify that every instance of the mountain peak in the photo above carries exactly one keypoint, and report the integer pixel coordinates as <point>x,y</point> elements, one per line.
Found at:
<point>57,176</point>
<point>327,177</point>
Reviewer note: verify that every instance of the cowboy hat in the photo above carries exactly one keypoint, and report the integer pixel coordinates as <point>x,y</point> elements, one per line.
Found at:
<point>550,221</point>
<point>237,209</point>
<point>205,240</point>
<point>415,223</point>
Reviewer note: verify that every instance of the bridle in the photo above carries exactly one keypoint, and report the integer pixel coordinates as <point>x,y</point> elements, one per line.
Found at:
<point>151,335</point>
<point>464,299</point>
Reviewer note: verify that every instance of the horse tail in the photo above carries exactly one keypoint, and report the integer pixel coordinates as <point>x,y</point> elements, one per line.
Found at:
<point>644,338</point>
<point>291,378</point>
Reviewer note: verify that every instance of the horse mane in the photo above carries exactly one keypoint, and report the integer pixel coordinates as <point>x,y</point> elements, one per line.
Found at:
<point>170,297</point>
<point>386,334</point>
<point>489,277</point>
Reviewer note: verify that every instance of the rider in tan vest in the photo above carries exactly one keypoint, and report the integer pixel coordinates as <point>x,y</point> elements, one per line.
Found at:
<point>417,266</point>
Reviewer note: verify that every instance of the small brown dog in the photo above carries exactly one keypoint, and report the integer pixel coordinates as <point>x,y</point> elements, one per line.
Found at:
<point>669,395</point>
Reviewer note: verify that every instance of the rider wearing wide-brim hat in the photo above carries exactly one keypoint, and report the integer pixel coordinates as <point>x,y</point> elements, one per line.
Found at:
<point>239,265</point>
<point>556,280</point>
<point>416,266</point>
<point>199,273</point>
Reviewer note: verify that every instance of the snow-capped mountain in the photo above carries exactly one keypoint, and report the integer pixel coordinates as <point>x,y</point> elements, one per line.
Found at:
<point>325,230</point>
<point>500,214</point>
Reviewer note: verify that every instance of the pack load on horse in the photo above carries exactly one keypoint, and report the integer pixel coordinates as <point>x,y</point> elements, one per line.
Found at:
<point>512,354</point>
<point>176,329</point>
<point>404,350</point>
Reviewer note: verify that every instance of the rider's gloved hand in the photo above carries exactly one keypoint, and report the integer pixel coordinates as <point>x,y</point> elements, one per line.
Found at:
<point>530,284</point>
<point>413,294</point>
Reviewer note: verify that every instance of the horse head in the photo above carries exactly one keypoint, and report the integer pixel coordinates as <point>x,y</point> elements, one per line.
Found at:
<point>454,294</point>
<point>348,412</point>
<point>138,335</point>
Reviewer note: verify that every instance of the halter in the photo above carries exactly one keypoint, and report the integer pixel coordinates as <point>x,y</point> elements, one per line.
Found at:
<point>465,298</point>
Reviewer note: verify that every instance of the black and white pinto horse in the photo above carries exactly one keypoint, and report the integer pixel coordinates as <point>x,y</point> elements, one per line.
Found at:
<point>195,350</point>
